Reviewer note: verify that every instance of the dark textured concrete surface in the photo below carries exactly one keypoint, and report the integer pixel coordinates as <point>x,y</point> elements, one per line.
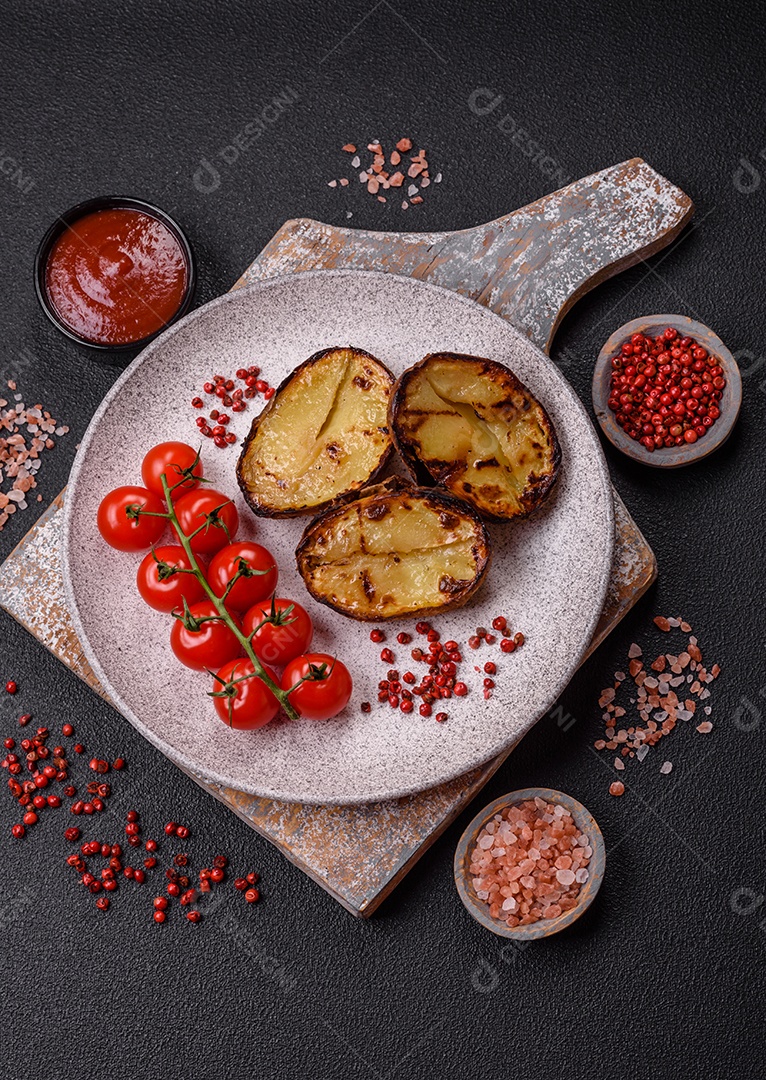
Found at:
<point>664,976</point>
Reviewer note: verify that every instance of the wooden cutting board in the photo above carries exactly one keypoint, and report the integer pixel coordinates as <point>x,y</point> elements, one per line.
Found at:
<point>529,266</point>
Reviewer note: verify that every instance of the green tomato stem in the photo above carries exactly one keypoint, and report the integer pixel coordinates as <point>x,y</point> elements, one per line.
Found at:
<point>280,694</point>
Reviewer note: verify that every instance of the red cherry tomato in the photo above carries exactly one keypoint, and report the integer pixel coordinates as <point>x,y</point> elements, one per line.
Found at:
<point>288,634</point>
<point>192,510</point>
<point>253,704</point>
<point>172,459</point>
<point>120,527</point>
<point>248,590</point>
<point>162,588</point>
<point>210,646</point>
<point>327,689</point>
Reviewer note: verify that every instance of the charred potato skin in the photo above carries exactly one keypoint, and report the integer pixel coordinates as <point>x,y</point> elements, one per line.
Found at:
<point>441,502</point>
<point>263,509</point>
<point>440,471</point>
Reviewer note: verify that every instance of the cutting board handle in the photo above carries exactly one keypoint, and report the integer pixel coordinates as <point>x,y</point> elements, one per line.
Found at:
<point>529,266</point>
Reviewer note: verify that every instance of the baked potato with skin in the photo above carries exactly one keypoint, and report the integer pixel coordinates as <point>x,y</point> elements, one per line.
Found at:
<point>322,437</point>
<point>469,424</point>
<point>393,553</point>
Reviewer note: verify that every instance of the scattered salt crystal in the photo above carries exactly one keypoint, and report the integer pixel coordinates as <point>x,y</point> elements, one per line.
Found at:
<point>674,622</point>
<point>634,651</point>
<point>666,767</point>
<point>704,727</point>
<point>619,764</point>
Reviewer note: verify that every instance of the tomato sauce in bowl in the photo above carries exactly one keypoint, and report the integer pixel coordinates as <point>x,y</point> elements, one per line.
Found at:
<point>112,273</point>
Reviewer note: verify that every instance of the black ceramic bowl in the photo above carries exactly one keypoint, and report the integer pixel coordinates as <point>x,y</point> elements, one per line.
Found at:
<point>111,202</point>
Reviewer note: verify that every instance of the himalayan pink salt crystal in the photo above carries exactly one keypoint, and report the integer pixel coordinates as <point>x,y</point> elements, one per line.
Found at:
<point>634,651</point>
<point>666,767</point>
<point>704,727</point>
<point>509,868</point>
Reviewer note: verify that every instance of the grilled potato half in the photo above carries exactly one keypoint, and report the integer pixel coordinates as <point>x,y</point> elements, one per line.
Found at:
<point>395,553</point>
<point>322,437</point>
<point>469,424</point>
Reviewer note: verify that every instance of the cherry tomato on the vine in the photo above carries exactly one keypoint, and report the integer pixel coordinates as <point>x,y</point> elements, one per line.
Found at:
<point>123,527</point>
<point>172,459</point>
<point>211,645</point>
<point>286,636</point>
<point>253,705</point>
<point>261,574</point>
<point>327,688</point>
<point>162,583</point>
<point>192,511</point>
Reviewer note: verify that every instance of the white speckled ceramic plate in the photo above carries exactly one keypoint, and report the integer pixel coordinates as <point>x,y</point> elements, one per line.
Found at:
<point>549,574</point>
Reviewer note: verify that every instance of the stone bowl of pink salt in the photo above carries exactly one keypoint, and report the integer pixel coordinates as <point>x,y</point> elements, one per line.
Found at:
<point>530,863</point>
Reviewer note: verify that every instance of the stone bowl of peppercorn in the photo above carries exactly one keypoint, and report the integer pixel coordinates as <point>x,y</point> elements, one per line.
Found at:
<point>666,390</point>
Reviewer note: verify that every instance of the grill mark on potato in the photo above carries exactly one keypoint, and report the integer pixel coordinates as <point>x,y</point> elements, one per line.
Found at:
<point>472,417</point>
<point>367,586</point>
<point>384,556</point>
<point>490,463</point>
<point>450,585</point>
<point>363,384</point>
<point>376,511</point>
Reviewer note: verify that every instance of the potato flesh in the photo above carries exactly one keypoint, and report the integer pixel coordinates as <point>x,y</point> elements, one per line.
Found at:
<point>460,422</point>
<point>393,564</point>
<point>325,433</point>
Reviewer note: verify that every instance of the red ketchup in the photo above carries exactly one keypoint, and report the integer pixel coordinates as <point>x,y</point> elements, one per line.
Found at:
<point>116,276</point>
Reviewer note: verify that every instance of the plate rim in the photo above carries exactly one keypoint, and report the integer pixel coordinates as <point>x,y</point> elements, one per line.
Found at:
<point>260,790</point>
